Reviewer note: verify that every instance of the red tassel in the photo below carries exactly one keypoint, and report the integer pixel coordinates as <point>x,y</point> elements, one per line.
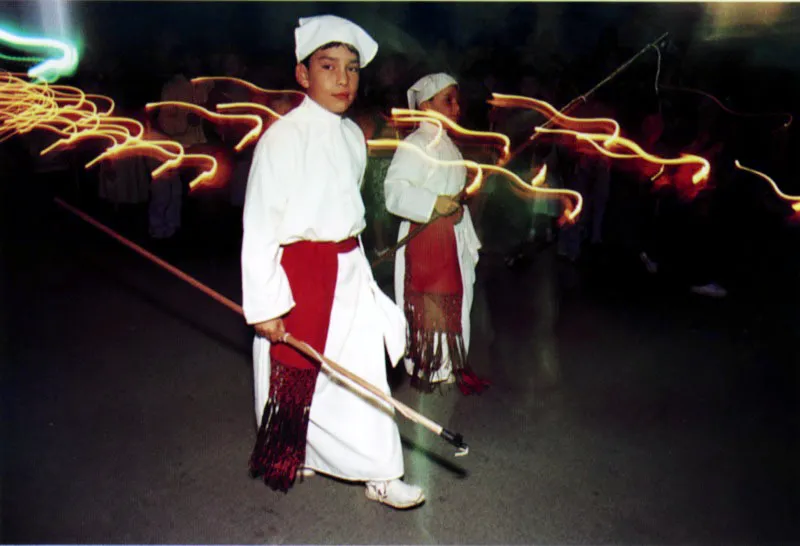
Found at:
<point>280,448</point>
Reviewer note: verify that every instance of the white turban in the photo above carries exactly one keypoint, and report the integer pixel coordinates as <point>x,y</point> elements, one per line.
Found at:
<point>314,32</point>
<point>427,87</point>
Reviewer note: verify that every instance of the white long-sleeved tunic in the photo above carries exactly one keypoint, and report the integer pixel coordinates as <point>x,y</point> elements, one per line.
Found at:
<point>412,185</point>
<point>304,185</point>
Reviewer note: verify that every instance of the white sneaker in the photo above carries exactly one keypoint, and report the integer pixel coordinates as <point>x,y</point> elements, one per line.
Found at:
<point>395,493</point>
<point>712,290</point>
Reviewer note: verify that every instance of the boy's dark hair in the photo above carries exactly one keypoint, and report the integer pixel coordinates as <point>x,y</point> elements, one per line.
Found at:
<point>328,46</point>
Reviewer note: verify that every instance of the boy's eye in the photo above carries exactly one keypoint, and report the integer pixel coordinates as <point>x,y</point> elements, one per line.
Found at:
<point>354,69</point>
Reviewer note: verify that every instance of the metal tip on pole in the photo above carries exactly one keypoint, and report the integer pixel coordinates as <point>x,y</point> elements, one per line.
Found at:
<point>457,440</point>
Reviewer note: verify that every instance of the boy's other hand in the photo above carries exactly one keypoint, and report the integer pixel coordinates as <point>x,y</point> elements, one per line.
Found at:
<point>272,329</point>
<point>446,205</point>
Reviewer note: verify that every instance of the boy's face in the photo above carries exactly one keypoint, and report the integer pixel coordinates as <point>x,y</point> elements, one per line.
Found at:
<point>331,78</point>
<point>445,102</point>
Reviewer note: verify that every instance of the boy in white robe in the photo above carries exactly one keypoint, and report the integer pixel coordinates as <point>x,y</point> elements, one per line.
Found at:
<point>435,271</point>
<point>304,272</point>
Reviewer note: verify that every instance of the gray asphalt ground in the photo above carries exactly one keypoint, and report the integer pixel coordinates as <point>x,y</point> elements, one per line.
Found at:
<point>622,410</point>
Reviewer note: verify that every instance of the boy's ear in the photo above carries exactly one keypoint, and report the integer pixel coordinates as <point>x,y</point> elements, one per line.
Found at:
<point>301,75</point>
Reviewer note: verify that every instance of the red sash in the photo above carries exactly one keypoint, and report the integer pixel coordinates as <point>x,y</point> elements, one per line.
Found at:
<point>312,268</point>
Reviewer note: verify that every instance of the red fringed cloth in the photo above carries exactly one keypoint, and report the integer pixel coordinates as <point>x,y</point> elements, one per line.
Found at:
<point>433,297</point>
<point>280,449</point>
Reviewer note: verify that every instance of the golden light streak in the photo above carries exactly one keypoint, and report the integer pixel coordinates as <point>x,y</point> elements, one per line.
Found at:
<point>74,116</point>
<point>92,98</point>
<point>63,110</point>
<point>638,153</point>
<point>659,173</point>
<point>67,112</point>
<point>793,199</point>
<point>405,115</point>
<point>608,140</point>
<point>517,101</point>
<point>158,149</point>
<point>419,119</point>
<point>570,213</point>
<point>393,144</point>
<point>251,105</point>
<point>250,137</point>
<point>244,83</point>
<point>528,189</point>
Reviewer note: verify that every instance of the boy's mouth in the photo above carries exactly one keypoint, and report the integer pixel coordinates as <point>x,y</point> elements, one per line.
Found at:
<point>342,96</point>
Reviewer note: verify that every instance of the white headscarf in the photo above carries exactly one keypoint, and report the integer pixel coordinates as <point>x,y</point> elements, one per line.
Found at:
<point>427,87</point>
<point>317,31</point>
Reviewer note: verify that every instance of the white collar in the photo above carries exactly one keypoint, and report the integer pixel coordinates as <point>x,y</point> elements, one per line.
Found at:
<point>315,110</point>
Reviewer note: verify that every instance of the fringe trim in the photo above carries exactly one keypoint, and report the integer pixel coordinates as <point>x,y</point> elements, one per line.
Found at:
<point>280,448</point>
<point>425,349</point>
<point>434,323</point>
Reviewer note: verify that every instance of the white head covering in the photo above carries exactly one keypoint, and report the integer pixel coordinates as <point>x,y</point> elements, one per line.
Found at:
<point>427,87</point>
<point>314,32</point>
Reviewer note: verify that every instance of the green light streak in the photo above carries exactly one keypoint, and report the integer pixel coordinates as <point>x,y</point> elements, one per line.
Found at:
<point>51,68</point>
<point>17,59</point>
